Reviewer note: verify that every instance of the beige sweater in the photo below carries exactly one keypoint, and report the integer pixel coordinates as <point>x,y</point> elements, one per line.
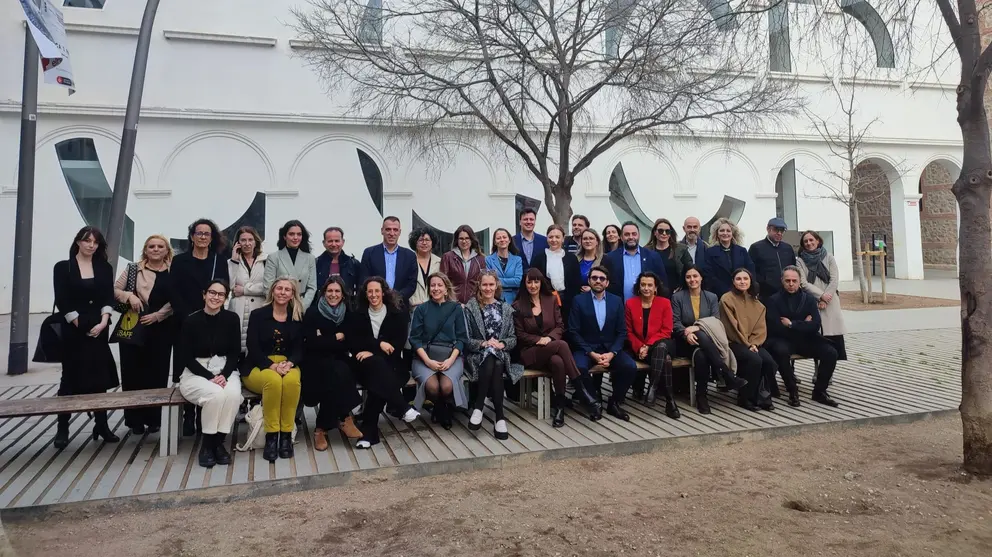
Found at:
<point>143,288</point>
<point>744,319</point>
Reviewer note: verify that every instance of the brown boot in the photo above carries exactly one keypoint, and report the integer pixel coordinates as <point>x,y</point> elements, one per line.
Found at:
<point>320,439</point>
<point>349,428</point>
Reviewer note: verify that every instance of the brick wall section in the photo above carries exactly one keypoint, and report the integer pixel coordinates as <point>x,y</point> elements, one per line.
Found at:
<point>875,201</point>
<point>938,217</point>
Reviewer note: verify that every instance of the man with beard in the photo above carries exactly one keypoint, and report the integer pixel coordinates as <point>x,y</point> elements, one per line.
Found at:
<point>626,264</point>
<point>692,240</point>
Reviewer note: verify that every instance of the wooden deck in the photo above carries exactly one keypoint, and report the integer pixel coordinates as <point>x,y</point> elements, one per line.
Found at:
<point>887,375</point>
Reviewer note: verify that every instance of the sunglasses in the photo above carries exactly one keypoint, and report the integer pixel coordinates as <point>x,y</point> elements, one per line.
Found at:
<point>664,231</point>
<point>597,278</point>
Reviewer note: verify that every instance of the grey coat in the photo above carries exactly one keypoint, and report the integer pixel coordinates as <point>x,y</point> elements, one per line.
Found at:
<point>280,264</point>
<point>682,314</point>
<point>832,317</point>
<point>477,333</point>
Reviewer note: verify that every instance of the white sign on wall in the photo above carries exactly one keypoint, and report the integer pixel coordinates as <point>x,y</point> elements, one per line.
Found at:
<point>48,29</point>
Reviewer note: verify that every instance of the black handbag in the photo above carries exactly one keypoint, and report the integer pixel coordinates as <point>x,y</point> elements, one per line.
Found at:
<point>440,351</point>
<point>49,348</point>
<point>129,286</point>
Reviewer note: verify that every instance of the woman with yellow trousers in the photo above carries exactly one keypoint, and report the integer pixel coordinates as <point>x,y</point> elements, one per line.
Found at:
<point>275,348</point>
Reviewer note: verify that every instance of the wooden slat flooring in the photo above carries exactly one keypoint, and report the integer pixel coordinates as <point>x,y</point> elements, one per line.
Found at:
<point>887,374</point>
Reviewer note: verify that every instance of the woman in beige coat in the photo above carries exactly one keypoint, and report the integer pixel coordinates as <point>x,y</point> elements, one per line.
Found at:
<point>247,271</point>
<point>818,276</point>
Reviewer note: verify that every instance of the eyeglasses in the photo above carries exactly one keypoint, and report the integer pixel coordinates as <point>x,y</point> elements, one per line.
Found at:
<point>216,294</point>
<point>424,241</point>
<point>664,231</point>
<point>777,229</point>
<point>203,234</point>
<point>597,278</point>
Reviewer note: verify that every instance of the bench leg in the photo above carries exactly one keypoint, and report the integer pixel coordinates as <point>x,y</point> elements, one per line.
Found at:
<point>172,417</point>
<point>692,385</point>
<point>525,392</point>
<point>543,398</point>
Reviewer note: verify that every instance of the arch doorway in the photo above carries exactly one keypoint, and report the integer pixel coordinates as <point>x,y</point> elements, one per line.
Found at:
<point>872,188</point>
<point>939,216</point>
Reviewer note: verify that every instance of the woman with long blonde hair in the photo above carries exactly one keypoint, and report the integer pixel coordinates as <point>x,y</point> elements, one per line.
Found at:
<point>143,288</point>
<point>271,367</point>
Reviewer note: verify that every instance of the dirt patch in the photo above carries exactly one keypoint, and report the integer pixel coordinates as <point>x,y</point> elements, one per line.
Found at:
<point>853,301</point>
<point>883,491</point>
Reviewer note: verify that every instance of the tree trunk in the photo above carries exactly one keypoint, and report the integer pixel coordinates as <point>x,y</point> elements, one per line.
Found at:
<point>973,190</point>
<point>561,211</point>
<point>859,268</point>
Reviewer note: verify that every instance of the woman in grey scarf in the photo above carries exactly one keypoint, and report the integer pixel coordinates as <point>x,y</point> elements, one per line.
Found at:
<point>819,277</point>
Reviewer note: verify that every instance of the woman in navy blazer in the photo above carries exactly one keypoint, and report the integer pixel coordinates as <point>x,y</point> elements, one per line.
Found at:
<point>724,255</point>
<point>507,263</point>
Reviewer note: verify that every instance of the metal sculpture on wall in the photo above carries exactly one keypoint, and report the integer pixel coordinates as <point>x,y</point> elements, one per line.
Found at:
<point>254,217</point>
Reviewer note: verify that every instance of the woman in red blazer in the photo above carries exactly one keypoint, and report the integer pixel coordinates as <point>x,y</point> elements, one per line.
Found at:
<point>649,333</point>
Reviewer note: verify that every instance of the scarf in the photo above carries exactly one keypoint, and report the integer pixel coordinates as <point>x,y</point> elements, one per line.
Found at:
<point>333,313</point>
<point>814,262</point>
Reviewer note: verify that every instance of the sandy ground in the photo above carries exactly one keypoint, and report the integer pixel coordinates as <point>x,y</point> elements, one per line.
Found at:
<point>853,301</point>
<point>892,490</point>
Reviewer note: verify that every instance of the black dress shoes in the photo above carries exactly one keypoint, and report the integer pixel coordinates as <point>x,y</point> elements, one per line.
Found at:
<point>823,398</point>
<point>207,457</point>
<point>615,410</point>
<point>794,399</point>
<point>747,404</point>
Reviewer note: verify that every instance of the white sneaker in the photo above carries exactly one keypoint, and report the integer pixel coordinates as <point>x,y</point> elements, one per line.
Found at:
<point>363,444</point>
<point>411,415</point>
<point>501,432</point>
<point>475,421</point>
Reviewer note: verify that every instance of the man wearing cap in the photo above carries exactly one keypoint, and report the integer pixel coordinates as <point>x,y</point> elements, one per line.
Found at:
<point>771,256</point>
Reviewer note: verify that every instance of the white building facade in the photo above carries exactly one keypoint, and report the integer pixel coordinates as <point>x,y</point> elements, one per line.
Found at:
<point>236,129</point>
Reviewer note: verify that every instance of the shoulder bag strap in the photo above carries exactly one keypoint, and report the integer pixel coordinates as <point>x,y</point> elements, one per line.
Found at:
<point>441,326</point>
<point>213,268</point>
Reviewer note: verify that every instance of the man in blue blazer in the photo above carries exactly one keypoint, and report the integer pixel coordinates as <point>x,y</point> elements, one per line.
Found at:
<point>527,241</point>
<point>630,260</point>
<point>396,264</point>
<point>597,332</point>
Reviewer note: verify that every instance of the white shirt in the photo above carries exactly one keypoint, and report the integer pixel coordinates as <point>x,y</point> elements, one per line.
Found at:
<point>556,268</point>
<point>376,317</point>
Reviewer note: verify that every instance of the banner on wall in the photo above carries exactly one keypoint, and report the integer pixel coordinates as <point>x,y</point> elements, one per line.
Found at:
<point>48,30</point>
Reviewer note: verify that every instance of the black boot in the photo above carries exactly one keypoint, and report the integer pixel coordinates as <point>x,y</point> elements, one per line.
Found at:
<point>671,409</point>
<point>220,451</point>
<point>558,418</point>
<point>614,409</point>
<point>732,381</point>
<point>61,440</point>
<point>824,398</point>
<point>207,457</point>
<point>703,403</point>
<point>794,397</point>
<point>746,404</point>
<point>591,404</point>
<point>447,414</point>
<point>101,429</point>
<point>271,450</point>
<point>285,445</point>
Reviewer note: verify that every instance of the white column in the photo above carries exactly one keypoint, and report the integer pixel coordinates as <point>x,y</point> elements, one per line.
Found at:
<point>908,237</point>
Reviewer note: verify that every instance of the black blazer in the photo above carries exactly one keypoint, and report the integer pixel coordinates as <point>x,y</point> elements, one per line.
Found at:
<point>70,296</point>
<point>374,265</point>
<point>573,275</point>
<point>394,330</point>
<point>261,345</point>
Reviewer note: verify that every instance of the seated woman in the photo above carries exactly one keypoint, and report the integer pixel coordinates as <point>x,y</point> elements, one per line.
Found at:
<point>539,328</point>
<point>743,318</point>
<point>209,346</point>
<point>649,336</point>
<point>491,338</point>
<point>327,379</point>
<point>275,347</point>
<point>438,338</point>
<point>376,335</point>
<point>689,306</point>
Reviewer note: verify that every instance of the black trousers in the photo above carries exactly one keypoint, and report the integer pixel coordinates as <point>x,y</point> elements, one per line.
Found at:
<point>707,360</point>
<point>753,366</point>
<point>384,385</point>
<point>817,348</point>
<point>147,367</point>
<point>329,384</point>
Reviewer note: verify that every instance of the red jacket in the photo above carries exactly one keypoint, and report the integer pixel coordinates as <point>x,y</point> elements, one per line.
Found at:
<point>659,322</point>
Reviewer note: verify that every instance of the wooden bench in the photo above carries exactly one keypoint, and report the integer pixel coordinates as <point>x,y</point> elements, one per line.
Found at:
<point>543,395</point>
<point>168,399</point>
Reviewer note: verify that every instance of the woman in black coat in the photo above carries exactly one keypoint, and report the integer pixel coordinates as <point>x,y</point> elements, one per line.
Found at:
<point>328,381</point>
<point>566,280</point>
<point>376,335</point>
<point>84,296</point>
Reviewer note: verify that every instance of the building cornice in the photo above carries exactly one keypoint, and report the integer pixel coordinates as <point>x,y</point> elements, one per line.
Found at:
<point>174,35</point>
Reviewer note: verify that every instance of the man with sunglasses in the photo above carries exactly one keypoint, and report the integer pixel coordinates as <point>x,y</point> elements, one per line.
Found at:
<point>597,331</point>
<point>771,256</point>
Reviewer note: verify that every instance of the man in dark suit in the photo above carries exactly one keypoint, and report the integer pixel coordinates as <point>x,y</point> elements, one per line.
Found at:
<point>630,260</point>
<point>389,260</point>
<point>771,256</point>
<point>574,242</point>
<point>334,261</point>
<point>692,240</point>
<point>527,241</point>
<point>597,332</point>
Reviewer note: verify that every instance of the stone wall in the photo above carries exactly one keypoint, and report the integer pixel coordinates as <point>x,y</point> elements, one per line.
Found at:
<point>875,202</point>
<point>938,217</point>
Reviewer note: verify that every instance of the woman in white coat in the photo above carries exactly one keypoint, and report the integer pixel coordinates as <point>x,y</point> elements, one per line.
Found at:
<point>818,276</point>
<point>247,271</point>
<point>293,260</point>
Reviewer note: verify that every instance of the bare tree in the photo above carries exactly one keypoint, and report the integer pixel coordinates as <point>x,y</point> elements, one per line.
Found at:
<point>844,132</point>
<point>551,84</point>
<point>973,190</point>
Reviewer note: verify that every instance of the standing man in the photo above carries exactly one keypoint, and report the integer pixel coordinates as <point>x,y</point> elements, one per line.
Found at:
<point>631,261</point>
<point>692,240</point>
<point>579,225</point>
<point>794,328</point>
<point>771,256</point>
<point>389,260</point>
<point>527,241</point>
<point>334,261</point>
<point>597,332</point>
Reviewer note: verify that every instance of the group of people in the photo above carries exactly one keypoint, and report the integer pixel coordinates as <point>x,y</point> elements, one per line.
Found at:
<point>296,328</point>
